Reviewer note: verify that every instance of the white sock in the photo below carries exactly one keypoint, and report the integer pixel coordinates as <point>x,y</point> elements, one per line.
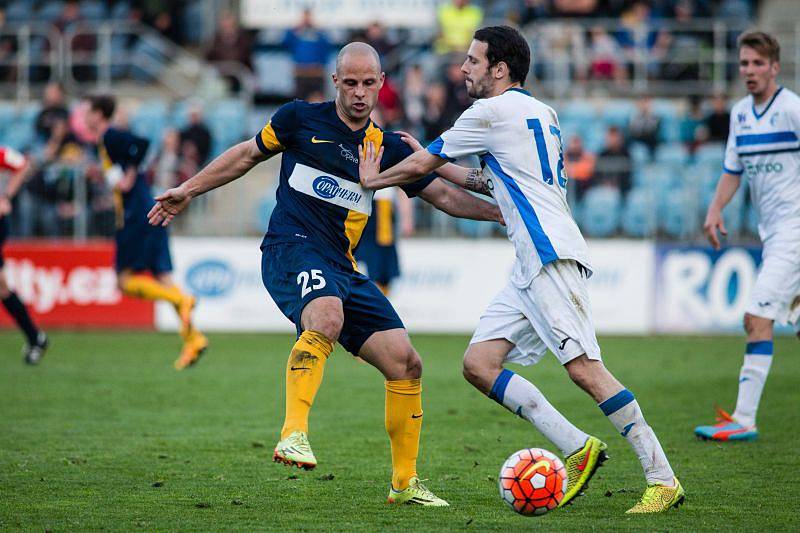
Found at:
<point>522,398</point>
<point>757,360</point>
<point>623,411</point>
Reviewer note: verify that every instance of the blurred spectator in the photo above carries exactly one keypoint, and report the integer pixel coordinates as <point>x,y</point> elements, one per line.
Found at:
<point>310,48</point>
<point>574,8</point>
<point>718,121</point>
<point>8,47</point>
<point>83,43</point>
<point>457,21</point>
<point>196,137</point>
<point>692,127</point>
<point>457,98</point>
<point>434,121</point>
<point>53,109</point>
<point>231,42</point>
<point>614,165</point>
<point>579,164</point>
<point>604,56</point>
<point>390,105</point>
<point>685,45</point>
<point>375,36</point>
<point>644,126</point>
<point>414,99</point>
<point>166,166</point>
<point>641,44</point>
<point>533,10</point>
<point>164,23</point>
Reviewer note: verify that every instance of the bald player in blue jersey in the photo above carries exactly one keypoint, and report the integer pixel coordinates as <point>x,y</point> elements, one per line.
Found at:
<point>307,262</point>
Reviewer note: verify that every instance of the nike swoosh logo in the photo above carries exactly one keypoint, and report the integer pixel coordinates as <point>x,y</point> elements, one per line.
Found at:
<point>531,469</point>
<point>582,466</point>
<point>417,416</point>
<point>627,429</point>
<point>314,140</point>
<point>300,368</point>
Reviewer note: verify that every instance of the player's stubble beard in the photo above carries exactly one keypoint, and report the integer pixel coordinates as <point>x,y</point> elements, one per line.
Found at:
<point>480,88</point>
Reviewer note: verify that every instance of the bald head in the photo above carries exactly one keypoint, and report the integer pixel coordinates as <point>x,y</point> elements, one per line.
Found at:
<point>357,51</point>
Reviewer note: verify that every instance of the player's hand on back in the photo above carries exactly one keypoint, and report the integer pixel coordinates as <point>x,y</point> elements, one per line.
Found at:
<point>369,165</point>
<point>409,139</point>
<point>714,222</point>
<point>168,204</point>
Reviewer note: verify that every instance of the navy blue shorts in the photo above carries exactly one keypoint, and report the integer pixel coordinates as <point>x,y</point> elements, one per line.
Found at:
<point>295,274</point>
<point>3,237</point>
<point>143,248</point>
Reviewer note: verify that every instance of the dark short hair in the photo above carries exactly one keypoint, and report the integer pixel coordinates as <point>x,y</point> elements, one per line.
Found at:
<point>103,103</point>
<point>763,43</point>
<point>509,46</point>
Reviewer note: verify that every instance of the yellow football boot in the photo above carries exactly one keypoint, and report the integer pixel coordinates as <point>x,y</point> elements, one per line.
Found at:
<point>193,347</point>
<point>581,466</point>
<point>659,498</point>
<point>416,494</point>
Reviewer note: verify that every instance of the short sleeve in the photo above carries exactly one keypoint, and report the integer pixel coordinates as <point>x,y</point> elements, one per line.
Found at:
<point>278,134</point>
<point>733,164</point>
<point>468,136</point>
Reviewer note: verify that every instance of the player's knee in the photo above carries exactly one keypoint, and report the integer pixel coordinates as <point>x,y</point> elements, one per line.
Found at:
<point>580,372</point>
<point>413,364</point>
<point>476,371</point>
<point>329,325</point>
<point>757,327</point>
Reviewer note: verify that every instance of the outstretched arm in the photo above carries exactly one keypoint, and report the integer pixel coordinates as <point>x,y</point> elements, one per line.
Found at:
<point>459,203</point>
<point>231,165</point>
<point>412,168</point>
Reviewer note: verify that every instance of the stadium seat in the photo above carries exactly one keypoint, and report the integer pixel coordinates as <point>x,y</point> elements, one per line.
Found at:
<point>677,216</point>
<point>617,113</point>
<point>149,121</point>
<point>640,153</point>
<point>600,211</point>
<point>711,153</point>
<point>639,216</point>
<point>672,153</point>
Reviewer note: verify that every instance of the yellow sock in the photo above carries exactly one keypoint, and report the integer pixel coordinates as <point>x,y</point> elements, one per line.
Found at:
<point>304,372</point>
<point>404,424</point>
<point>148,288</point>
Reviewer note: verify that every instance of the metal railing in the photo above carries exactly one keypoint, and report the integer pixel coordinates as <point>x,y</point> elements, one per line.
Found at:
<point>118,52</point>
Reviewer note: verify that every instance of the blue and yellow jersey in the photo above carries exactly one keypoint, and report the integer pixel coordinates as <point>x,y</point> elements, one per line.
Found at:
<point>319,198</point>
<point>118,147</point>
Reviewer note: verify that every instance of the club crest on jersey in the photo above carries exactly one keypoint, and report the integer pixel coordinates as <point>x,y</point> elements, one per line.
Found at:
<point>773,120</point>
<point>327,187</point>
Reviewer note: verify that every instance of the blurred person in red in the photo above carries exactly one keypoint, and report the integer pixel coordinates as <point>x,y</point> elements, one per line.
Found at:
<point>37,342</point>
<point>579,164</point>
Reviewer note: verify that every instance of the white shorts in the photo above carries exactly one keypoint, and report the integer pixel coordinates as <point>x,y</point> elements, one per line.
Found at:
<point>553,312</point>
<point>776,294</point>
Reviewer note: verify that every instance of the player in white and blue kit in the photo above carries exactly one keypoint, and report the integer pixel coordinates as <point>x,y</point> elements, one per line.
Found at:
<point>764,147</point>
<point>546,302</point>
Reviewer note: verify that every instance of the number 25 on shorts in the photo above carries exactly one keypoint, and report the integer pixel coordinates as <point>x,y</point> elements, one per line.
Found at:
<point>317,281</point>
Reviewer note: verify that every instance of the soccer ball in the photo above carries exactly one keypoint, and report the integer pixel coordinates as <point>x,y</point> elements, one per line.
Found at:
<point>533,481</point>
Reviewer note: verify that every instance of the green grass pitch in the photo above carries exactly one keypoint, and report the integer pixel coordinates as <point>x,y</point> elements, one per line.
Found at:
<point>104,434</point>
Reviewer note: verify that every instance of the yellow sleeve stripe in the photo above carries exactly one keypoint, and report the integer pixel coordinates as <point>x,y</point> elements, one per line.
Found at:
<point>269,141</point>
<point>374,135</point>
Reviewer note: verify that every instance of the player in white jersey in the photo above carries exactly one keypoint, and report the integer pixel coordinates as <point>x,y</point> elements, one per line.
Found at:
<point>546,303</point>
<point>764,147</point>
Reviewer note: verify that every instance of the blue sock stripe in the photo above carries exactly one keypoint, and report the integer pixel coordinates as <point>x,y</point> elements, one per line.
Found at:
<point>617,402</point>
<point>499,388</point>
<point>759,348</point>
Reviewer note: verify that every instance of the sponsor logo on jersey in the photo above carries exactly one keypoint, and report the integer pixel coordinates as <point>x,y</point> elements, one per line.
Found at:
<point>763,168</point>
<point>327,187</point>
<point>741,117</point>
<point>210,278</point>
